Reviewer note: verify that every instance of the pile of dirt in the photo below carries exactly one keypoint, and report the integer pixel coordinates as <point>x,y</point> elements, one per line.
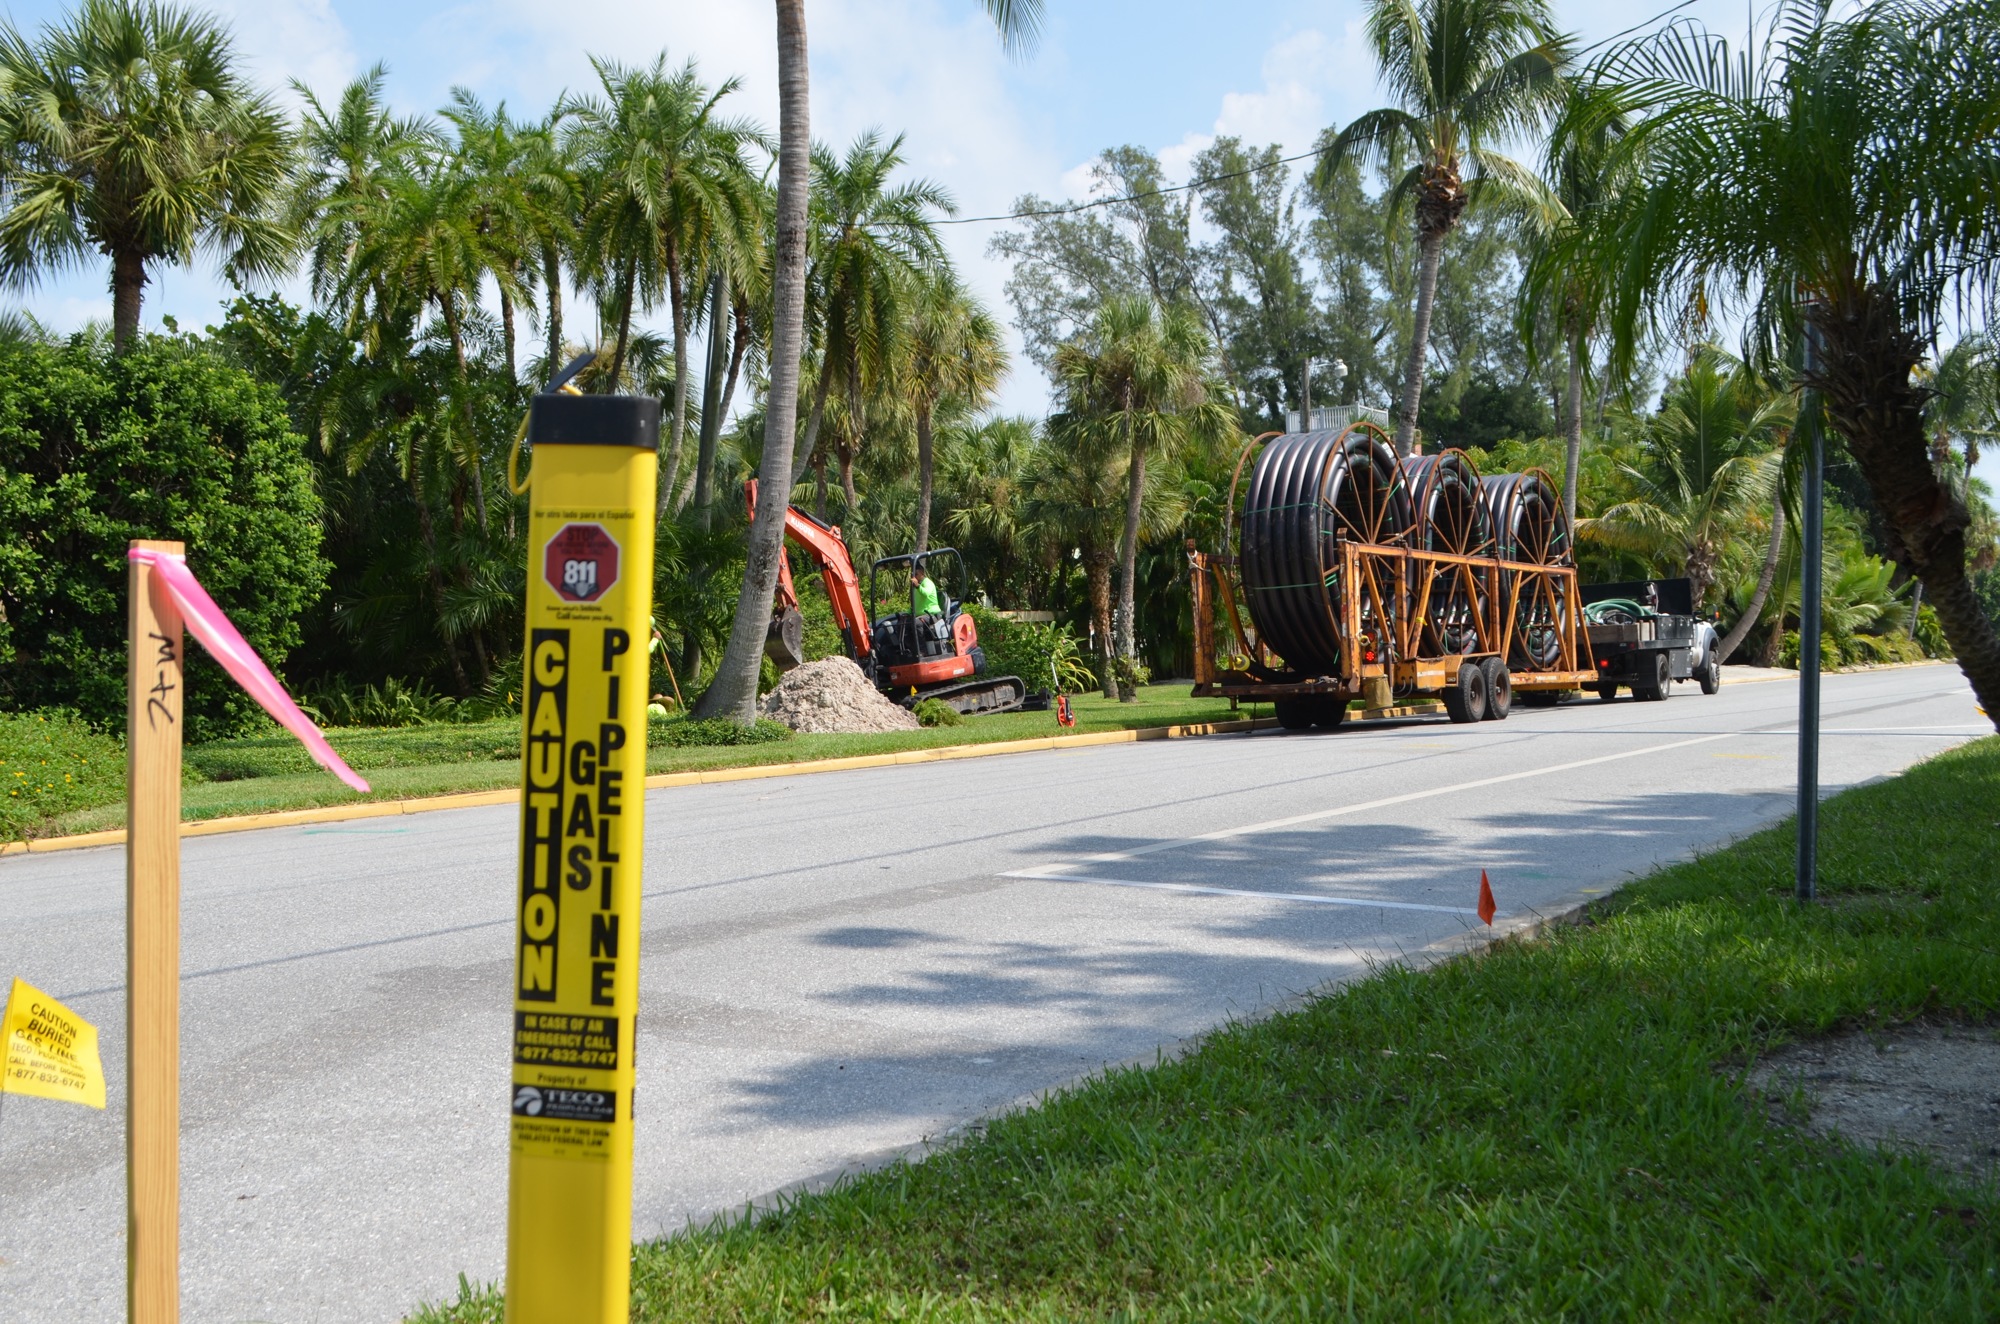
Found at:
<point>832,697</point>
<point>1931,1089</point>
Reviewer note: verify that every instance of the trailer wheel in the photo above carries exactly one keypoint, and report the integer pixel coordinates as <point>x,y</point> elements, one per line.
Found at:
<point>1465,701</point>
<point>1329,713</point>
<point>1711,675</point>
<point>1294,714</point>
<point>1499,689</point>
<point>1659,685</point>
<point>1538,698</point>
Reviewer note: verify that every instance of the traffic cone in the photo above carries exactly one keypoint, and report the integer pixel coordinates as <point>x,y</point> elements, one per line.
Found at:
<point>1486,907</point>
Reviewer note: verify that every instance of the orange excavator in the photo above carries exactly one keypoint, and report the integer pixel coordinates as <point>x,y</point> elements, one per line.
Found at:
<point>909,655</point>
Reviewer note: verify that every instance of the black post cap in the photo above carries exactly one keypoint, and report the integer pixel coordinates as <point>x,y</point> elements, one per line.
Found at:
<point>561,419</point>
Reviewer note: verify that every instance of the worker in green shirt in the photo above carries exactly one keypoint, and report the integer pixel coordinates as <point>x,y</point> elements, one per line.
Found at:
<point>924,590</point>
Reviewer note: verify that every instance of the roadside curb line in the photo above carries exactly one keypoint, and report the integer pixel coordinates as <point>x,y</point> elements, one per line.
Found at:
<point>510,795</point>
<point>658,781</point>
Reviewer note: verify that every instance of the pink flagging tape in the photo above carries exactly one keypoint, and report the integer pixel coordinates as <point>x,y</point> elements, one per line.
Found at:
<point>207,623</point>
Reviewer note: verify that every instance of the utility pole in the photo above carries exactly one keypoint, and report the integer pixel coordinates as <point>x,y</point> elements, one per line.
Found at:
<point>1306,397</point>
<point>1810,537</point>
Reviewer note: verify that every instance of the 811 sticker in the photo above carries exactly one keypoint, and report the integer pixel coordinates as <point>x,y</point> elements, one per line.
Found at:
<point>581,563</point>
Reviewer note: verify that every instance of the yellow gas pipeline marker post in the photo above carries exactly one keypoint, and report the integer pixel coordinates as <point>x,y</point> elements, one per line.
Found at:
<point>576,990</point>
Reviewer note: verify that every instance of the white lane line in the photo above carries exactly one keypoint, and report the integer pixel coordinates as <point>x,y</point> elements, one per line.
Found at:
<point>1272,825</point>
<point>1238,891</point>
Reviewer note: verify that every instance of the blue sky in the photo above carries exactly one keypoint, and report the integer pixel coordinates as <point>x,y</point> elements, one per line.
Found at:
<point>1168,75</point>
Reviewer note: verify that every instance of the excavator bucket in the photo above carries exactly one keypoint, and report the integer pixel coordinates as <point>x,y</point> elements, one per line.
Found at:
<point>785,643</point>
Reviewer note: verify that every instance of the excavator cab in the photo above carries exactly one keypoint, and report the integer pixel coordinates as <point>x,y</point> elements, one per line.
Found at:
<point>914,648</point>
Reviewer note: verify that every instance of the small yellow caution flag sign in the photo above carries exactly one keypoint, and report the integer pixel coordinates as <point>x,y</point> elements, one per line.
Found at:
<point>48,1051</point>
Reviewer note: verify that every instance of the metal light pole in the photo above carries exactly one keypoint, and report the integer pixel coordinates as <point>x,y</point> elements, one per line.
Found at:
<point>1810,536</point>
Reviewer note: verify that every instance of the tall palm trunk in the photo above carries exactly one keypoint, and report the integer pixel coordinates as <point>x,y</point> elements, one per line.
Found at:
<point>738,348</point>
<point>1430,250</point>
<point>465,407</point>
<point>711,399</point>
<point>1097,570</point>
<point>923,479</point>
<point>625,298</point>
<point>670,472</point>
<point>1128,551</point>
<point>1865,381</point>
<point>809,444</point>
<point>128,285</point>
<point>1573,431</point>
<point>734,693</point>
<point>552,277</point>
<point>507,338</point>
<point>1772,555</point>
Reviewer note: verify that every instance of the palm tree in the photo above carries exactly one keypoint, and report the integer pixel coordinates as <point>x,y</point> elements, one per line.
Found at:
<point>873,248</point>
<point>952,348</point>
<point>498,162</point>
<point>1147,371</point>
<point>1839,184</point>
<point>554,195</point>
<point>128,130</point>
<point>665,181</point>
<point>1076,506</point>
<point>1579,181</point>
<point>1466,74</point>
<point>734,692</point>
<point>425,246</point>
<point>348,153</point>
<point>1707,458</point>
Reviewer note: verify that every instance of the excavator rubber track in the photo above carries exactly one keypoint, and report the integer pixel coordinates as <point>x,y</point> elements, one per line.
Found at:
<point>981,694</point>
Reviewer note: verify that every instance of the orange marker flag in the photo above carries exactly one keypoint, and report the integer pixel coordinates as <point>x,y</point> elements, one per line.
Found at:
<point>1486,907</point>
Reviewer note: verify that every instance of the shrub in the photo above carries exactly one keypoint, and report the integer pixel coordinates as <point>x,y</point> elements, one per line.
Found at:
<point>51,764</point>
<point>681,732</point>
<point>1930,633</point>
<point>337,702</point>
<point>1031,651</point>
<point>165,441</point>
<point>936,712</point>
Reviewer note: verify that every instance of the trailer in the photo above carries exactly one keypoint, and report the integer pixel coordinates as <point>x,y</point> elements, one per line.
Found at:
<point>1357,575</point>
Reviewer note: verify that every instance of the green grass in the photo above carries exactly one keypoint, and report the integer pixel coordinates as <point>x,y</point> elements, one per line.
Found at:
<point>1555,1130</point>
<point>52,764</point>
<point>267,773</point>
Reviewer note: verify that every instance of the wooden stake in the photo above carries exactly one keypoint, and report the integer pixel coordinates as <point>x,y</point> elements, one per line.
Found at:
<point>153,947</point>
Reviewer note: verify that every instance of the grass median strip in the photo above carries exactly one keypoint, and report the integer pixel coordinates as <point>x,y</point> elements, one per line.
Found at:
<point>1555,1129</point>
<point>271,774</point>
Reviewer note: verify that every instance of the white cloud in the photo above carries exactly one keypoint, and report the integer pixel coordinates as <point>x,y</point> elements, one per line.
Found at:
<point>285,39</point>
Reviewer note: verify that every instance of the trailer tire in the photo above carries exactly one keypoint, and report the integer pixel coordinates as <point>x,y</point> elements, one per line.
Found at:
<point>1499,689</point>
<point>1710,675</point>
<point>1659,685</point>
<point>1294,714</point>
<point>1329,713</point>
<point>1465,700</point>
<point>1538,698</point>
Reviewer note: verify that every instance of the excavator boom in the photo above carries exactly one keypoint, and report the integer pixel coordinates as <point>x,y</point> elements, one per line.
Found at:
<point>784,644</point>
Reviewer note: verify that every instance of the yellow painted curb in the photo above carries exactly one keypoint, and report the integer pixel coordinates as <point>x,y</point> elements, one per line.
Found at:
<point>510,795</point>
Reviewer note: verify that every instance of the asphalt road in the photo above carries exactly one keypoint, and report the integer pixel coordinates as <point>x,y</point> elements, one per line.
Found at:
<point>832,966</point>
